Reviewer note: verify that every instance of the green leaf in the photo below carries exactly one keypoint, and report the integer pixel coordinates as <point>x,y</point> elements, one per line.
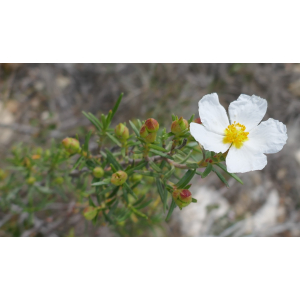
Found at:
<point>113,139</point>
<point>160,153</point>
<point>93,120</point>
<point>138,212</point>
<point>221,177</point>
<point>43,189</point>
<point>172,207</point>
<point>186,158</point>
<point>103,182</point>
<point>170,173</point>
<point>207,170</point>
<point>103,120</point>
<point>155,167</point>
<point>130,191</point>
<point>191,119</point>
<point>152,146</point>
<point>163,193</point>
<point>194,200</point>
<point>223,167</point>
<point>86,141</point>
<point>143,205</point>
<point>139,166</point>
<point>140,200</point>
<point>150,174</point>
<point>113,160</point>
<point>134,128</point>
<point>185,179</point>
<point>79,160</point>
<point>116,106</point>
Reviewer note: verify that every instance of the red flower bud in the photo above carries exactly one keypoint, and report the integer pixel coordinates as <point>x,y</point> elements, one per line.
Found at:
<point>152,125</point>
<point>198,120</point>
<point>182,197</point>
<point>149,137</point>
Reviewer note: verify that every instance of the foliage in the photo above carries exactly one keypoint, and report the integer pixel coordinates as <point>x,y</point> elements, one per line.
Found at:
<point>114,185</point>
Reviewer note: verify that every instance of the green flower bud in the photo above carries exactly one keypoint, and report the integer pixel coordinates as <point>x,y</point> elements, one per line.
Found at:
<point>98,172</point>
<point>118,178</point>
<point>179,126</point>
<point>3,174</point>
<point>137,177</point>
<point>152,125</point>
<point>90,212</point>
<point>149,137</point>
<point>31,180</point>
<point>71,145</point>
<point>182,197</point>
<point>122,132</point>
<point>59,180</point>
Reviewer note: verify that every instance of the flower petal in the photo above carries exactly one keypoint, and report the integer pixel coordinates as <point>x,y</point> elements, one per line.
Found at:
<point>213,114</point>
<point>209,140</point>
<point>245,159</point>
<point>269,136</point>
<point>248,111</point>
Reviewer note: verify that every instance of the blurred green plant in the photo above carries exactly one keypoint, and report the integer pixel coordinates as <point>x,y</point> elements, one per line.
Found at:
<point>114,186</point>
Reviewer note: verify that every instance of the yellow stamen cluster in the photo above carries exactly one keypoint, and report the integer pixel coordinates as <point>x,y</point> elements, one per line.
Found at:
<point>235,134</point>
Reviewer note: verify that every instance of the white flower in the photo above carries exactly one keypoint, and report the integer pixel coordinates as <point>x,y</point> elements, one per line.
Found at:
<point>246,139</point>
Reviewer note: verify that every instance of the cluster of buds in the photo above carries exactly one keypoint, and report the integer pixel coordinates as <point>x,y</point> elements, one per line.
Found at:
<point>182,197</point>
<point>122,132</point>
<point>179,126</point>
<point>119,178</point>
<point>71,145</point>
<point>149,130</point>
<point>98,172</point>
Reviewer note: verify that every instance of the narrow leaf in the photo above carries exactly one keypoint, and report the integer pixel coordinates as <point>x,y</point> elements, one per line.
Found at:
<point>207,170</point>
<point>223,167</point>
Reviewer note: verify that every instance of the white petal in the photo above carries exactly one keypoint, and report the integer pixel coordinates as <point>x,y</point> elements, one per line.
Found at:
<point>248,111</point>
<point>245,159</point>
<point>269,136</point>
<point>213,114</point>
<point>209,140</point>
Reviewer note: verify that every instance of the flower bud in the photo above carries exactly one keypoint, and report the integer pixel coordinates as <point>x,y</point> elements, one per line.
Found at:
<point>71,145</point>
<point>182,197</point>
<point>3,174</point>
<point>98,172</point>
<point>35,156</point>
<point>179,126</point>
<point>90,212</point>
<point>122,132</point>
<point>31,180</point>
<point>118,178</point>
<point>137,177</point>
<point>59,180</point>
<point>149,137</point>
<point>198,121</point>
<point>152,125</point>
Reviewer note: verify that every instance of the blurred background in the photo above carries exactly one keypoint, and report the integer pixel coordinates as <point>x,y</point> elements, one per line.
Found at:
<point>43,101</point>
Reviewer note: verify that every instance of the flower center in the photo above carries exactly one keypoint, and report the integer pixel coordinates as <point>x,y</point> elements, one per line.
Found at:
<point>235,134</point>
